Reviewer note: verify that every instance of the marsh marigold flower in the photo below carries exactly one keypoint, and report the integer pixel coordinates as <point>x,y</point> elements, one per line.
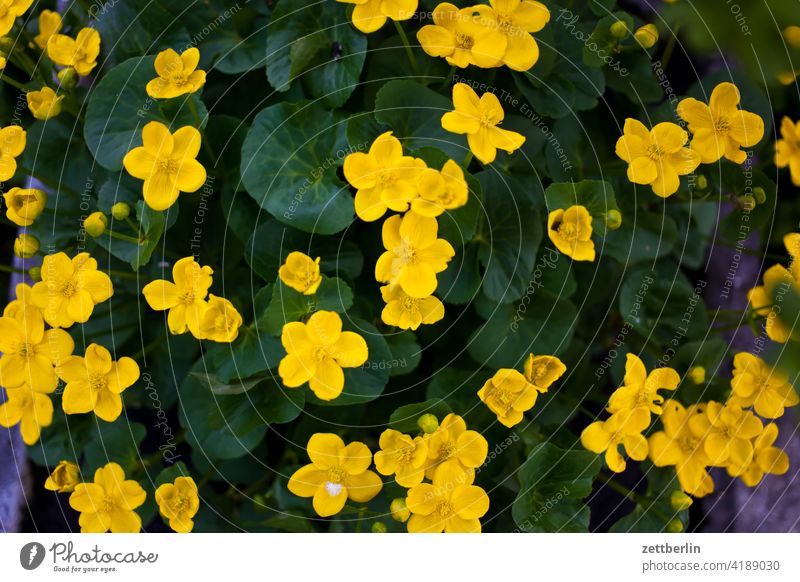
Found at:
<point>402,456</point>
<point>371,15</point>
<point>317,351</point>
<point>517,19</point>
<point>755,383</point>
<point>766,458</point>
<point>22,303</point>
<point>95,382</point>
<point>178,503</point>
<point>508,394</point>
<point>301,273</point>
<point>622,428</point>
<point>721,128</point>
<point>184,297</point>
<point>64,477</point>
<point>461,450</point>
<point>79,53</point>
<point>467,36</point>
<point>479,119</point>
<point>31,353</point>
<point>656,157</point>
<point>640,389</point>
<point>678,446</point>
<point>440,190</point>
<point>542,371</point>
<point>570,231</point>
<point>12,144</point>
<point>383,177</point>
<point>26,246</point>
<point>221,321</point>
<point>24,205</point>
<point>49,24</point>
<point>44,103</point>
<point>336,473</point>
<point>408,312</point>
<point>727,431</point>
<point>10,11</point>
<point>776,279</point>
<point>166,162</point>
<point>70,288</point>
<point>414,254</point>
<point>31,410</point>
<point>446,505</point>
<point>177,74</point>
<point>787,149</point>
<point>109,502</point>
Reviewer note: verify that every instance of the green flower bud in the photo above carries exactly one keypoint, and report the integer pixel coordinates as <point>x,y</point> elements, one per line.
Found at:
<point>613,219</point>
<point>697,374</point>
<point>680,501</point>
<point>619,30</point>
<point>646,36</point>
<point>6,44</point>
<point>120,210</point>
<point>675,526</point>
<point>379,527</point>
<point>702,182</point>
<point>95,224</point>
<point>759,194</point>
<point>428,423</point>
<point>747,202</point>
<point>35,273</point>
<point>68,78</point>
<point>399,510</point>
<point>25,246</point>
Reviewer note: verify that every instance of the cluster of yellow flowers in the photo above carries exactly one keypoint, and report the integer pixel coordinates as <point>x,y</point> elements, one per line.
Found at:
<point>486,35</point>
<point>778,280</point>
<point>699,436</point>
<point>659,156</point>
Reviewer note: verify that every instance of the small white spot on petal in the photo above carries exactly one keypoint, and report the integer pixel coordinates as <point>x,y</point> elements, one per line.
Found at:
<point>333,489</point>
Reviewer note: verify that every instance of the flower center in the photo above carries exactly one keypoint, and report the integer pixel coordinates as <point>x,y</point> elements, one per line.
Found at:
<point>109,504</point>
<point>409,303</point>
<point>98,382</point>
<point>25,349</point>
<point>444,508</point>
<point>406,253</point>
<point>69,288</point>
<point>540,371</point>
<point>337,479</point>
<point>167,166</point>
<point>722,125</point>
<point>654,152</point>
<point>187,297</point>
<point>504,397</point>
<point>447,451</point>
<point>21,201</point>
<point>464,41</point>
<point>404,455</point>
<point>386,178</point>
<point>568,231</point>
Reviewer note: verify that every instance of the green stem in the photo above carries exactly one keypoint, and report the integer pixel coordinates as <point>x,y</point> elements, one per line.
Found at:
<point>360,523</point>
<point>449,78</point>
<point>206,145</point>
<point>670,47</point>
<point>467,160</point>
<point>148,348</point>
<point>135,227</point>
<point>7,269</point>
<point>409,51</point>
<point>5,78</point>
<point>125,237</point>
<point>621,489</point>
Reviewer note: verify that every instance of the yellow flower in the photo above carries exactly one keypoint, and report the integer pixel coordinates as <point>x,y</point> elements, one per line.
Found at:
<point>402,456</point>
<point>727,431</point>
<point>571,231</point>
<point>408,312</point>
<point>383,177</point>
<point>221,321</point>
<point>64,477</point>
<point>413,254</point>
<point>697,374</point>
<point>336,473</point>
<point>317,351</point>
<point>622,428</point>
<point>479,119</point>
<point>766,458</point>
<point>508,394</point>
<point>80,54</point>
<point>787,149</point>
<point>30,353</point>
<point>440,190</point>
<point>301,273</point>
<point>755,383</point>
<point>24,205</point>
<point>177,74</point>
<point>22,307</point>
<point>166,162</point>
<point>516,19</point>
<point>446,505</point>
<point>678,446</point>
<point>49,24</point>
<point>10,10</point>
<point>31,410</point>
<point>95,382</point>
<point>656,157</point>
<point>640,389</point>
<point>12,144</point>
<point>721,128</point>
<point>542,371</point>
<point>646,36</point>
<point>95,224</point>
<point>70,289</point>
<point>185,298</point>
<point>470,36</point>
<point>44,103</point>
<point>460,450</point>
<point>26,246</point>
<point>777,279</point>
<point>371,15</point>
<point>109,502</point>
<point>178,502</point>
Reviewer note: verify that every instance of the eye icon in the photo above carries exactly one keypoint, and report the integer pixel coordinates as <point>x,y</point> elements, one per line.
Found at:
<point>31,555</point>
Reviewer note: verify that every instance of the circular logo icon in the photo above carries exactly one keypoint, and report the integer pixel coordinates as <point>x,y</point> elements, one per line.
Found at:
<point>31,555</point>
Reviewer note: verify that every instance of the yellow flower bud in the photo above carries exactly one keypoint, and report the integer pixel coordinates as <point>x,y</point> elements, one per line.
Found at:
<point>120,211</point>
<point>26,246</point>
<point>702,182</point>
<point>613,219</point>
<point>379,527</point>
<point>787,77</point>
<point>35,273</point>
<point>680,501</point>
<point>646,36</point>
<point>24,205</point>
<point>619,30</point>
<point>3,61</point>
<point>760,195</point>
<point>399,510</point>
<point>792,35</point>
<point>95,224</point>
<point>64,477</point>
<point>68,78</point>
<point>747,202</point>
<point>675,526</point>
<point>428,423</point>
<point>44,103</point>
<point>697,374</point>
<point>6,44</point>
